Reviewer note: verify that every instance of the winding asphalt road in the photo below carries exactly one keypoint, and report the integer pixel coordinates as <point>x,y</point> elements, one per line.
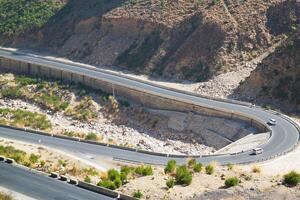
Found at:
<point>284,137</point>
<point>30,184</point>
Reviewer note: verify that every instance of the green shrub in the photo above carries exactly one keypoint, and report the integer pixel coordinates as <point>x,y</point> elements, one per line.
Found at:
<point>113,174</point>
<point>118,182</point>
<point>91,136</point>
<point>291,179</point>
<point>11,92</point>
<point>22,118</point>
<point>25,80</point>
<point>125,170</point>
<point>209,169</point>
<point>87,179</point>
<point>50,101</point>
<point>191,163</point>
<point>90,171</point>
<point>19,16</point>
<point>138,194</point>
<point>144,170</point>
<point>123,177</point>
<point>11,152</point>
<point>107,184</point>
<point>198,167</point>
<point>171,166</point>
<point>232,181</point>
<point>147,171</point>
<point>69,133</point>
<point>183,175</point>
<point>34,158</point>
<point>170,183</point>
<point>42,163</point>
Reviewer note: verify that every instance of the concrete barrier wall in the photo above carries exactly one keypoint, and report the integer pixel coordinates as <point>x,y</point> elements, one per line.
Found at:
<point>139,97</point>
<point>104,191</point>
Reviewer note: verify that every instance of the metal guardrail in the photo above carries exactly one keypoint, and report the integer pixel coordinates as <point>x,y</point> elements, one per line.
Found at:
<point>94,68</point>
<point>282,153</point>
<point>168,88</point>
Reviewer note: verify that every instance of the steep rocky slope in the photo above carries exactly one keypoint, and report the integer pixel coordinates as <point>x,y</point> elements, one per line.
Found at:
<point>277,79</point>
<point>186,39</point>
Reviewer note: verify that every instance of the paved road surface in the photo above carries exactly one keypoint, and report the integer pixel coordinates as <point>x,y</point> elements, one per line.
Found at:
<point>31,184</point>
<point>284,135</point>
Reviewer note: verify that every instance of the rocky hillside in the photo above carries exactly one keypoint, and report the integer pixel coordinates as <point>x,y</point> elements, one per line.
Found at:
<point>185,39</point>
<point>277,79</point>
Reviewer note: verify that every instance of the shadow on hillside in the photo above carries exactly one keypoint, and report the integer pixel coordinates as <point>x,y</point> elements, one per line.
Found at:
<point>283,17</point>
<point>61,26</point>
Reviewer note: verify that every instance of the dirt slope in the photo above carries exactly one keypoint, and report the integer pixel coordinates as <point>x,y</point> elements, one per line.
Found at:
<point>184,39</point>
<point>276,81</point>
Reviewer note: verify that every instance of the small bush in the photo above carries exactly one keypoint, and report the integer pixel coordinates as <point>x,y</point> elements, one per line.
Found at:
<point>87,179</point>
<point>113,174</point>
<point>42,163</point>
<point>118,182</point>
<point>107,184</point>
<point>144,170</point>
<point>170,183</point>
<point>256,169</point>
<point>209,169</point>
<point>171,166</point>
<point>123,177</point>
<point>291,179</point>
<point>22,118</point>
<point>11,92</point>
<point>91,136</point>
<point>125,171</point>
<point>138,194</point>
<point>25,80</point>
<point>191,163</point>
<point>198,167</point>
<point>33,158</point>
<point>232,181</point>
<point>183,175</point>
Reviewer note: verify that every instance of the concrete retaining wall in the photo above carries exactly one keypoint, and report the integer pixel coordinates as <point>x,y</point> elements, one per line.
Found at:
<point>139,97</point>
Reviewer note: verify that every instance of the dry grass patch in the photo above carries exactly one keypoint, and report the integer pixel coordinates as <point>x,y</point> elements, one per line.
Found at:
<point>256,169</point>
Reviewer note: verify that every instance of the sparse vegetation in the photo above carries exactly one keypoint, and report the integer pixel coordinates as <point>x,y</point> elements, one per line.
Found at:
<point>19,16</point>
<point>209,169</point>
<point>19,156</point>
<point>291,179</point>
<point>144,170</point>
<point>138,194</point>
<point>191,163</point>
<point>87,179</point>
<point>232,181</point>
<point>183,176</point>
<point>91,136</point>
<point>229,166</point>
<point>85,111</point>
<point>22,118</point>
<point>256,169</point>
<point>116,179</point>
<point>6,196</point>
<point>198,167</point>
<point>34,158</point>
<point>171,166</point>
<point>170,183</point>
